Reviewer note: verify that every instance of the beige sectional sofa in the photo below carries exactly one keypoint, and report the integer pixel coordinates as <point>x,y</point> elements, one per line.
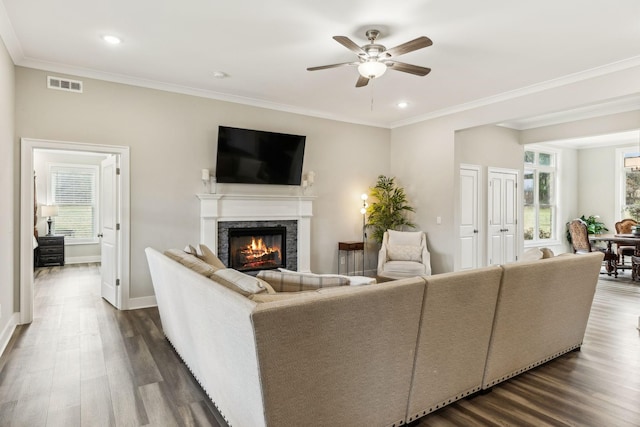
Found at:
<point>377,355</point>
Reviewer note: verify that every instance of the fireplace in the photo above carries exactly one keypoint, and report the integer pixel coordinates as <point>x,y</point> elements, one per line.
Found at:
<point>221,212</point>
<point>257,248</point>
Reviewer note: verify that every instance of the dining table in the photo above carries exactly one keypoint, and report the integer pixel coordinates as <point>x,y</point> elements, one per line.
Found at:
<point>611,257</point>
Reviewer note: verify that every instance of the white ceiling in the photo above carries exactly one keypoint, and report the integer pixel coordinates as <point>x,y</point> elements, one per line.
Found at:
<point>482,51</point>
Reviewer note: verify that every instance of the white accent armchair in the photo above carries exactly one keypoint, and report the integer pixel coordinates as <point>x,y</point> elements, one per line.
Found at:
<point>404,254</point>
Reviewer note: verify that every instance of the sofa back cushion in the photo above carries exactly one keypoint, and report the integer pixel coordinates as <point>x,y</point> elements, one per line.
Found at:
<point>455,329</point>
<point>542,312</point>
<point>352,351</point>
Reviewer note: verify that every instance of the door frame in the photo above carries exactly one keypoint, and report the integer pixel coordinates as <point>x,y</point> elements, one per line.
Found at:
<point>27,146</point>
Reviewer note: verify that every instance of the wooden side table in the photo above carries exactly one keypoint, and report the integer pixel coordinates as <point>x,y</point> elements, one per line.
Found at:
<point>51,250</point>
<point>349,248</point>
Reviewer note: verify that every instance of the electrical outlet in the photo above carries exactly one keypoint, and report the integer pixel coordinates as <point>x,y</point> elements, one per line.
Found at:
<point>341,260</point>
<point>438,220</point>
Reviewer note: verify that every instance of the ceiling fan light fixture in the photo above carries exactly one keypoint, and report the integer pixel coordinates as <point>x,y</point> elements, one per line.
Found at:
<point>372,69</point>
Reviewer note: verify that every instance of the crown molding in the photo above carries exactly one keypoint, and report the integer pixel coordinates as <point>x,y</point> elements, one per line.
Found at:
<point>185,90</point>
<point>528,90</point>
<point>9,37</point>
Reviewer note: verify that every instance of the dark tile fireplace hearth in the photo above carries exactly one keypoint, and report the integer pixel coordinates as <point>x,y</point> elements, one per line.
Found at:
<point>251,246</point>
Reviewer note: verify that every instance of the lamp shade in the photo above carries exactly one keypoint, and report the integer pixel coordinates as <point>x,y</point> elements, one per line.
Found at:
<point>49,210</point>
<point>372,69</point>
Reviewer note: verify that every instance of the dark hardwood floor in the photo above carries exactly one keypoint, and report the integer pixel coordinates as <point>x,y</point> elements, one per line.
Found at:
<point>81,362</point>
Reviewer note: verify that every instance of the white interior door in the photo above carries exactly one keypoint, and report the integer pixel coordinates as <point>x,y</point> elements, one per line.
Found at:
<point>510,217</point>
<point>502,212</point>
<point>109,225</point>
<point>469,208</point>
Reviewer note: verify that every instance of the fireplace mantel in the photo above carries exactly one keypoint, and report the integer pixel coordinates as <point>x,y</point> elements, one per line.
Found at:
<point>215,208</point>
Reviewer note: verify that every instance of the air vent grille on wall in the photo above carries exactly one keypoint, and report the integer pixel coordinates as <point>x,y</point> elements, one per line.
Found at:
<point>64,84</point>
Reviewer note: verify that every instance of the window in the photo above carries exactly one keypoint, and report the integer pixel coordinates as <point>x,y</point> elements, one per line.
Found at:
<point>539,196</point>
<point>73,190</point>
<point>631,188</point>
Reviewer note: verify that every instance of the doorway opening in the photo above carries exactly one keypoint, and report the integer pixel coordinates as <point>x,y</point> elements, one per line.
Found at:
<point>117,254</point>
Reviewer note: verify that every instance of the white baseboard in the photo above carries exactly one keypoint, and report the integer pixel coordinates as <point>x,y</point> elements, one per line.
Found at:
<point>7,333</point>
<point>82,259</point>
<point>142,302</point>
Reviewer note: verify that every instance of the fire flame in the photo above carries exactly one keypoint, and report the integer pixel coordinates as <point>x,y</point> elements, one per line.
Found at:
<point>258,248</point>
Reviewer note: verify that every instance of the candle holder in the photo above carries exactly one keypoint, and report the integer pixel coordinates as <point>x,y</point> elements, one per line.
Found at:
<point>307,183</point>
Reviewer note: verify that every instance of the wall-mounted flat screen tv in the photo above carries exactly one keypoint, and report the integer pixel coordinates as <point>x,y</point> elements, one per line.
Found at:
<point>257,157</point>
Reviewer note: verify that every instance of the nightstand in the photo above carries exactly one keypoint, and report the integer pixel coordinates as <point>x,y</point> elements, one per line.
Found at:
<point>51,250</point>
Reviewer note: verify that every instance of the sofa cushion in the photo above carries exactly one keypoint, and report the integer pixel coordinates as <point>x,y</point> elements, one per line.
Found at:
<point>407,268</point>
<point>404,253</point>
<point>204,253</point>
<point>240,282</point>
<point>410,238</point>
<point>293,281</point>
<point>190,261</point>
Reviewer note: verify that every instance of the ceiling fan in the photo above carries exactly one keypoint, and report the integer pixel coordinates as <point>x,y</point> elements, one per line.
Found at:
<point>374,59</point>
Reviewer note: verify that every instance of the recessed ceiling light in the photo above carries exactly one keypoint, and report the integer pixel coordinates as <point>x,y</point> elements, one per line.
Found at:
<point>111,39</point>
<point>219,74</point>
<point>403,104</point>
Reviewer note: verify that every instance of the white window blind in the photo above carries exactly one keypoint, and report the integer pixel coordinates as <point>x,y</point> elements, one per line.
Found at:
<point>74,190</point>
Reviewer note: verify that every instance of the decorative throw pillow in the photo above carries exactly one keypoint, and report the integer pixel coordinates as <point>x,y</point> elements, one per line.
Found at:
<point>410,238</point>
<point>547,253</point>
<point>404,253</point>
<point>190,261</point>
<point>240,282</point>
<point>190,250</point>
<point>294,282</point>
<point>532,254</point>
<point>204,253</point>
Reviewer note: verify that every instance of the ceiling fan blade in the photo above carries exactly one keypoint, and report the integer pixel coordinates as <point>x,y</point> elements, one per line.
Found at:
<point>362,81</point>
<point>349,44</point>
<point>408,68</point>
<point>324,67</point>
<point>410,46</point>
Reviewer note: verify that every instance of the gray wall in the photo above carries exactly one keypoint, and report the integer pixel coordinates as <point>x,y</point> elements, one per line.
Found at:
<point>173,136</point>
<point>487,146</point>
<point>9,206</point>
<point>423,157</point>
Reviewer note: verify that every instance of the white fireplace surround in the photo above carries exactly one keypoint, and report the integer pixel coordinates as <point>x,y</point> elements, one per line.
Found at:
<point>215,208</point>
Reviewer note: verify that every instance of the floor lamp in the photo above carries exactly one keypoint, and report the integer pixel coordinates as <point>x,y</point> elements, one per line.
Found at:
<point>363,211</point>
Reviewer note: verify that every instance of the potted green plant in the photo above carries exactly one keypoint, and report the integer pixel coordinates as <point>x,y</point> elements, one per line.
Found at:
<point>389,209</point>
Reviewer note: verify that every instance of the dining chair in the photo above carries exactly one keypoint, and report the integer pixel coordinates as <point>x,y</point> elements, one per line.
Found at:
<point>624,227</point>
<point>581,244</point>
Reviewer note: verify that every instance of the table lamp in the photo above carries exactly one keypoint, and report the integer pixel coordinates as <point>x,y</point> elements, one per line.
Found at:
<point>49,211</point>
